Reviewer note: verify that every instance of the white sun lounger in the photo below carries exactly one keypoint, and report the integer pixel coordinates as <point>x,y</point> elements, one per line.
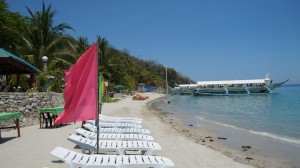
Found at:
<point>127,119</point>
<point>120,119</point>
<point>75,159</point>
<point>121,137</point>
<point>93,128</point>
<point>120,147</point>
<point>115,125</point>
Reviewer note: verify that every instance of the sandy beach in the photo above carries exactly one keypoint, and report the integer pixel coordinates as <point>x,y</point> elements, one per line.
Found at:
<point>178,143</point>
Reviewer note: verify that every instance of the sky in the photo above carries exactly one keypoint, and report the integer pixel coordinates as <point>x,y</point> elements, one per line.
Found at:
<point>201,39</point>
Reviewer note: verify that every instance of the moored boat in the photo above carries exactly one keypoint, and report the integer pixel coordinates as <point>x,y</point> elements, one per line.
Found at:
<point>233,87</point>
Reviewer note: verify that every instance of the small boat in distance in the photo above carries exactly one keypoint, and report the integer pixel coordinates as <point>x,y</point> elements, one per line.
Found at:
<point>232,87</point>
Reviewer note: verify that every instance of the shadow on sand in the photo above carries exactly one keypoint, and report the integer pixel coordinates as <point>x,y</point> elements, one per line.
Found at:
<point>5,139</point>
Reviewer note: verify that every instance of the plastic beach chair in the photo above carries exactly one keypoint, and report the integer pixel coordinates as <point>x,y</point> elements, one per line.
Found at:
<point>75,159</point>
<point>121,137</point>
<point>120,147</point>
<point>115,125</point>
<point>93,128</point>
<point>120,119</point>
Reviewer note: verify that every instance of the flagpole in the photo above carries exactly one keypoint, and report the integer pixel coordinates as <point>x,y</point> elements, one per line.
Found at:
<point>167,81</point>
<point>98,108</point>
<point>167,86</point>
<point>100,105</point>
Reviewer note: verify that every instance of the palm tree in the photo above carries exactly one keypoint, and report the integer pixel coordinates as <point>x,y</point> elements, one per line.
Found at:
<point>82,45</point>
<point>104,59</point>
<point>41,37</point>
<point>103,51</point>
<point>63,59</point>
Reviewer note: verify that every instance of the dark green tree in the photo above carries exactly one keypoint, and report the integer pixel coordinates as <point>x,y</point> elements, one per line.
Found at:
<point>10,24</point>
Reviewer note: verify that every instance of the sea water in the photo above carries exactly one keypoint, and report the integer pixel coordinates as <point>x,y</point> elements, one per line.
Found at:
<point>273,116</point>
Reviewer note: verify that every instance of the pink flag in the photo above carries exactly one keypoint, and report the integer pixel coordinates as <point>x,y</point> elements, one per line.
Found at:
<point>80,95</point>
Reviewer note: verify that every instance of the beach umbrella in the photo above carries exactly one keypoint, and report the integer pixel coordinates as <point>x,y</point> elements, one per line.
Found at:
<point>119,86</point>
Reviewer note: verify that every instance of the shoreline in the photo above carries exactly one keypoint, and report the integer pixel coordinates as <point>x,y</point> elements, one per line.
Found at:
<point>182,150</point>
<point>216,140</point>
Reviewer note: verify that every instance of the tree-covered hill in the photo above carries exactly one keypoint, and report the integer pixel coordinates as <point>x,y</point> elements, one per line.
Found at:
<point>35,36</point>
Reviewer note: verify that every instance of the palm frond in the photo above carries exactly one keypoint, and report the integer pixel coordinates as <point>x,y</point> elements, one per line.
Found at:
<point>62,63</point>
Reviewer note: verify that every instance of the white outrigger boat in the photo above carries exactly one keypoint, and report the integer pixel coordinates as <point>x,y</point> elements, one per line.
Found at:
<point>232,87</point>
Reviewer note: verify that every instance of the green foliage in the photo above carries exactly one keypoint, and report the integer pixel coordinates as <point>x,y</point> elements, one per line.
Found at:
<point>107,99</point>
<point>82,45</point>
<point>49,81</point>
<point>55,81</point>
<point>32,90</point>
<point>10,23</point>
<point>129,81</point>
<point>41,81</point>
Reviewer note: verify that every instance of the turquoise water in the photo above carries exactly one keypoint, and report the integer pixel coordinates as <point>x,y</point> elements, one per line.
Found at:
<point>276,116</point>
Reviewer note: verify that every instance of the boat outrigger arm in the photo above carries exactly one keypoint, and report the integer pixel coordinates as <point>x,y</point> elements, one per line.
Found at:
<point>279,84</point>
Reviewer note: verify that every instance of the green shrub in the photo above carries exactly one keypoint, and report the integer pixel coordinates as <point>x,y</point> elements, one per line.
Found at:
<point>107,99</point>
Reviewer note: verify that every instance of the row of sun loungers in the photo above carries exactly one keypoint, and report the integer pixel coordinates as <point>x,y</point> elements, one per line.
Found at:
<point>118,135</point>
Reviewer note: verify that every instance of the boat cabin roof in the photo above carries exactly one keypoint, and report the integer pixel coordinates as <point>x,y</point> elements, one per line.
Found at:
<point>188,85</point>
<point>231,82</point>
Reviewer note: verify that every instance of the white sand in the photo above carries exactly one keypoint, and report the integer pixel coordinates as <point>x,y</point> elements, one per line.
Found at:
<point>32,149</point>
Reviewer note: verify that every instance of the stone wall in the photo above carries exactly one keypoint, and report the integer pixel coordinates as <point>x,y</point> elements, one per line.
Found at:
<point>28,103</point>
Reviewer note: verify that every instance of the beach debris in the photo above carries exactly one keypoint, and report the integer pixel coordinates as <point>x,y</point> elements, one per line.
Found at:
<point>184,130</point>
<point>246,147</point>
<point>199,140</point>
<point>208,137</point>
<point>222,138</point>
<point>249,158</point>
<point>191,125</point>
<point>211,140</point>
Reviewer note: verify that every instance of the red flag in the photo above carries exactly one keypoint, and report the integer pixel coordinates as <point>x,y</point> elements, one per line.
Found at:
<point>80,95</point>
